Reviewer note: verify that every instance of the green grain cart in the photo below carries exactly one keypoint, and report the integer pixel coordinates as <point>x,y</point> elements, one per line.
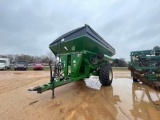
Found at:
<point>79,53</point>
<point>145,67</point>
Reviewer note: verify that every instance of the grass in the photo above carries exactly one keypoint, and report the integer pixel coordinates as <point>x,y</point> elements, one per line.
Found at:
<point>119,68</point>
<point>30,68</point>
<point>46,68</point>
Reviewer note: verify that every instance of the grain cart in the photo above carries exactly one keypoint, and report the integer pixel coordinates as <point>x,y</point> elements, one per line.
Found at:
<point>145,66</point>
<point>79,54</point>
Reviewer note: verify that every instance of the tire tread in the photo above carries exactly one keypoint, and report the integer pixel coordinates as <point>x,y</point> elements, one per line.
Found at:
<point>104,75</point>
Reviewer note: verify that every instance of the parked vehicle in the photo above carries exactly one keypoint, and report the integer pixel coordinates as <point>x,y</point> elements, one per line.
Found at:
<point>4,63</point>
<point>38,65</point>
<point>21,65</point>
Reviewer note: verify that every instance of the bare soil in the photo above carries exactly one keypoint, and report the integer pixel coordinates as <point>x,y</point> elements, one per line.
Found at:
<point>81,100</point>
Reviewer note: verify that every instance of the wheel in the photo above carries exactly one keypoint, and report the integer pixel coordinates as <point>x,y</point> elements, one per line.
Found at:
<point>15,69</point>
<point>134,79</point>
<point>106,75</point>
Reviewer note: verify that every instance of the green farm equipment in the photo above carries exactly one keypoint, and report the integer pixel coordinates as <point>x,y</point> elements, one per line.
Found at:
<point>145,66</point>
<point>79,54</point>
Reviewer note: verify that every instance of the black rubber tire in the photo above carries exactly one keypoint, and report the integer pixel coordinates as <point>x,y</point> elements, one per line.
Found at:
<point>134,79</point>
<point>106,75</point>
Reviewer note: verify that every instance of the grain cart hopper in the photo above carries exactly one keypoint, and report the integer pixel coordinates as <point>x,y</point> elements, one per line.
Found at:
<point>79,54</point>
<point>145,66</point>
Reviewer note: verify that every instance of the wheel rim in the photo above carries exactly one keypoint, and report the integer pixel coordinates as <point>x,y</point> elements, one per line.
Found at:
<point>110,75</point>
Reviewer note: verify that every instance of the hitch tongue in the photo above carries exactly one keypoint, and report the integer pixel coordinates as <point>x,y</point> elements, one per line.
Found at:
<point>38,89</point>
<point>42,88</point>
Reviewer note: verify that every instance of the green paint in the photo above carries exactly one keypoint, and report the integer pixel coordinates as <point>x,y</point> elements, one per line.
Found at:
<point>80,44</point>
<point>146,60</point>
<point>76,57</point>
<point>80,67</point>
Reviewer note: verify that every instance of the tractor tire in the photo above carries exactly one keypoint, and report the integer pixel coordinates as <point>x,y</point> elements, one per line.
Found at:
<point>134,79</point>
<point>106,75</point>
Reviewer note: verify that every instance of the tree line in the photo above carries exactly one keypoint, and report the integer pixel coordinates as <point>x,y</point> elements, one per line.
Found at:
<point>121,63</point>
<point>50,58</point>
<point>31,59</point>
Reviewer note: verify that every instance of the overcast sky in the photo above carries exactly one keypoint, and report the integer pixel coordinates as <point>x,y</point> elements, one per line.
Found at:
<point>29,26</point>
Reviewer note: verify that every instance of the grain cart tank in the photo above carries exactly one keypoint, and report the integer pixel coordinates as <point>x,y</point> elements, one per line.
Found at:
<point>79,54</point>
<point>145,66</point>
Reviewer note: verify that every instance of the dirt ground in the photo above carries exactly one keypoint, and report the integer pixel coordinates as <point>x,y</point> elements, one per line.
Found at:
<point>81,100</point>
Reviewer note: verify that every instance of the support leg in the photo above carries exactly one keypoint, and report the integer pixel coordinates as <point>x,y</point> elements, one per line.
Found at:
<point>53,90</point>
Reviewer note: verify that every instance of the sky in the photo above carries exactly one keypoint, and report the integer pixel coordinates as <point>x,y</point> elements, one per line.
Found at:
<point>29,26</point>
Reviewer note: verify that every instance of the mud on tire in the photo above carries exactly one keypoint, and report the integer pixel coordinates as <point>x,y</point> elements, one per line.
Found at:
<point>106,75</point>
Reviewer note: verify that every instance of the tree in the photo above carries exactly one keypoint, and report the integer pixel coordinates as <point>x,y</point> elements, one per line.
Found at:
<point>122,62</point>
<point>50,57</point>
